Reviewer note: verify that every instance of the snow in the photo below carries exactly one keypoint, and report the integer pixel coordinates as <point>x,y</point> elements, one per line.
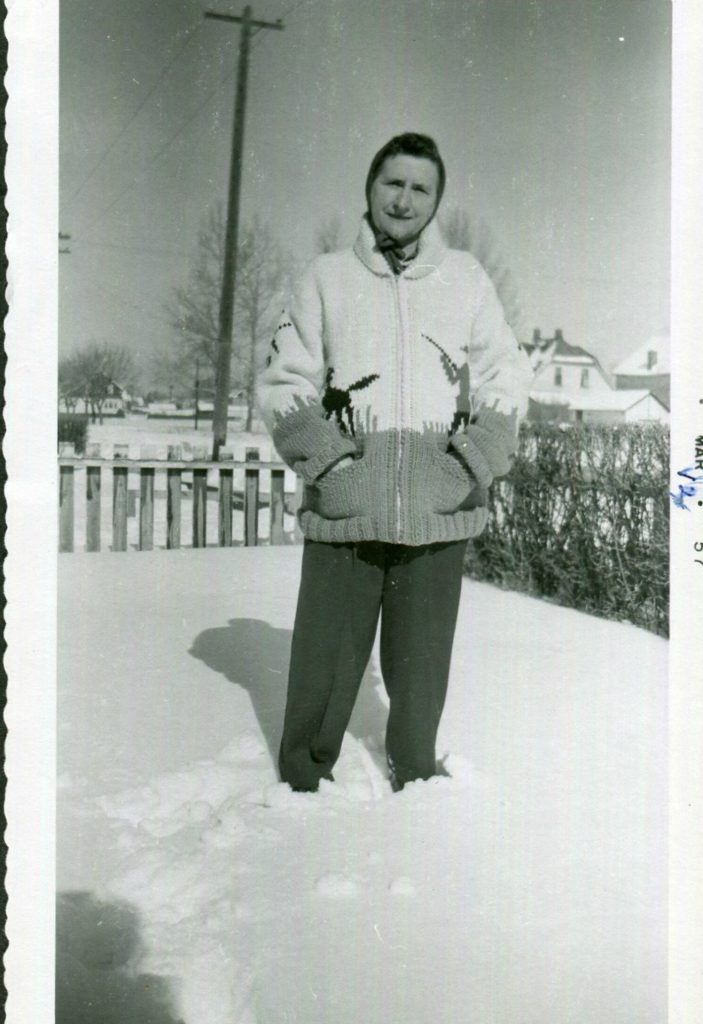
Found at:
<point>139,431</point>
<point>528,886</point>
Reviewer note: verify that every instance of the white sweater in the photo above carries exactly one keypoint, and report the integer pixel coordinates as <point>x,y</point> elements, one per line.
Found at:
<point>394,370</point>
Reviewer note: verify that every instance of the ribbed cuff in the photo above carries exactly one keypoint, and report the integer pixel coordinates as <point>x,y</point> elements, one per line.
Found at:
<point>473,456</point>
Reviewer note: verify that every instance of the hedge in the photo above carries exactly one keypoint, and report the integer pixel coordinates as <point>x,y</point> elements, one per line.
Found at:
<point>583,519</point>
<point>73,428</point>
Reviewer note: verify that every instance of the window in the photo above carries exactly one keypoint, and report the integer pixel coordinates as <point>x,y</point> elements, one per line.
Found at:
<point>557,376</point>
<point>584,379</point>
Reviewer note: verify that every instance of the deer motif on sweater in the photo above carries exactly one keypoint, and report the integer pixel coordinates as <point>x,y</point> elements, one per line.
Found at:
<point>456,375</point>
<point>337,401</point>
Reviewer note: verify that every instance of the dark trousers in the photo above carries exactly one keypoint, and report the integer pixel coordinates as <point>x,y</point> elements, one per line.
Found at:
<point>343,589</point>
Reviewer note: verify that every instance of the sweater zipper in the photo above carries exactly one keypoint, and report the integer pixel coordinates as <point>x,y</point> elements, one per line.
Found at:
<point>399,525</point>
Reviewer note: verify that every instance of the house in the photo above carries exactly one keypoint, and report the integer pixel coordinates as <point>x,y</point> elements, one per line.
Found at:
<point>571,386</point>
<point>563,372</point>
<point>647,367</point>
<point>115,403</point>
<point>631,405</point>
<point>116,400</point>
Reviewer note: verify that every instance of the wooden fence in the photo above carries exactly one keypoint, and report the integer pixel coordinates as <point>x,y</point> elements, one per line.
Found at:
<point>187,476</point>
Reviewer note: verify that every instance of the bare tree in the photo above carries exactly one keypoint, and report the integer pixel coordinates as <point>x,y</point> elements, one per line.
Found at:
<point>69,389</point>
<point>173,373</point>
<point>194,309</point>
<point>461,232</point>
<point>90,372</point>
<point>261,274</point>
<point>262,271</point>
<point>329,235</point>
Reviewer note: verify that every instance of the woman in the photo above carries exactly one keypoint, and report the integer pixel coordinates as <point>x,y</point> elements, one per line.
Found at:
<point>394,388</point>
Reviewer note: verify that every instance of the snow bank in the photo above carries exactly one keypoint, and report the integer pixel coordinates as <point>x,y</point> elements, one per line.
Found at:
<point>528,886</point>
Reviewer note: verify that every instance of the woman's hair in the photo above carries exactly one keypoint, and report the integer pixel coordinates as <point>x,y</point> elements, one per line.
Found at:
<point>410,144</point>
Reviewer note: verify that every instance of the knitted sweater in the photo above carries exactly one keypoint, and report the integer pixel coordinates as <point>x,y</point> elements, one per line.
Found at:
<point>415,375</point>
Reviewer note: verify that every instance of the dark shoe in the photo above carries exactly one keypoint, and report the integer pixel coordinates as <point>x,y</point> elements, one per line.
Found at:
<point>311,789</point>
<point>397,784</point>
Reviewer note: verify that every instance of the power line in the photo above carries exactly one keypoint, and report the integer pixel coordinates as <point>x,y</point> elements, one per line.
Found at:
<point>161,151</point>
<point>134,116</point>
<point>119,300</point>
<point>182,128</point>
<point>289,10</point>
<point>149,250</point>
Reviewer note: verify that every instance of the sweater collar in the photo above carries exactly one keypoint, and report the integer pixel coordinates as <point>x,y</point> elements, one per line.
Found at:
<point>430,253</point>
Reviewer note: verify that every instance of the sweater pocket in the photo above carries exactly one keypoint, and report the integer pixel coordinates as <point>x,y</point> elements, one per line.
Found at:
<point>449,484</point>
<point>342,493</point>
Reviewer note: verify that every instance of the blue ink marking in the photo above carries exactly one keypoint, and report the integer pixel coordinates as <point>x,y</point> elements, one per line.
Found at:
<point>686,490</point>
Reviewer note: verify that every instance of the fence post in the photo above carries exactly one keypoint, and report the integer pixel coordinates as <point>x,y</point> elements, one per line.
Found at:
<point>251,499</point>
<point>225,503</point>
<point>146,500</point>
<point>66,508</point>
<point>93,486</point>
<point>200,500</point>
<point>173,499</point>
<point>119,500</point>
<point>276,506</point>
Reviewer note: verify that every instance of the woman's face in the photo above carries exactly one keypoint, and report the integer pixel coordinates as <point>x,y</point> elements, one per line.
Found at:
<point>403,196</point>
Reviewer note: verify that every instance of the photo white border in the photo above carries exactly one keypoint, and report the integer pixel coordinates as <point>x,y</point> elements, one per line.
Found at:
<point>31,538</point>
<point>31,172</point>
<point>686,608</point>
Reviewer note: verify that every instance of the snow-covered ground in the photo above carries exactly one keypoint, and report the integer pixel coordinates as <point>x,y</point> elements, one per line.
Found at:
<point>529,888</point>
<point>136,431</point>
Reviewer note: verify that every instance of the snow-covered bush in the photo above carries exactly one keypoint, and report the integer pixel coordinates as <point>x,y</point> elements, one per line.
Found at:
<point>583,519</point>
<point>73,428</point>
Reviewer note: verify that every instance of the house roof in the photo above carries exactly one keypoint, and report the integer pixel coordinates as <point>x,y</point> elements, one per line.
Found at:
<point>662,391</point>
<point>635,364</point>
<point>557,350</point>
<point>611,401</point>
<point>564,349</point>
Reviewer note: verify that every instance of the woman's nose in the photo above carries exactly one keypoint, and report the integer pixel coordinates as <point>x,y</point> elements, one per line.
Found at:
<point>402,200</point>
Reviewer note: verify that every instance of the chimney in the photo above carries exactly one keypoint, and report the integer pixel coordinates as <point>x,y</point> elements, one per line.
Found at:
<point>558,336</point>
<point>536,337</point>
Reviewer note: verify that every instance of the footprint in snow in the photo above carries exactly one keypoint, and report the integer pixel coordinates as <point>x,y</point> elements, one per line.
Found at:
<point>402,887</point>
<point>337,887</point>
<point>248,746</point>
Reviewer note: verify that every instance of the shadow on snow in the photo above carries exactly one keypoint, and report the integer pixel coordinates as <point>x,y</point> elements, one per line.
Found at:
<point>255,655</point>
<point>97,946</point>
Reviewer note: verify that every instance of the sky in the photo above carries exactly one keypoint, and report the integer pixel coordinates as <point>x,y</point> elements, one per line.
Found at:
<point>553,118</point>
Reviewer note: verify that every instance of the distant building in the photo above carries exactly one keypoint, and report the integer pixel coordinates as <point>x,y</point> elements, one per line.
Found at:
<point>236,407</point>
<point>647,367</point>
<point>115,403</point>
<point>563,372</point>
<point>632,405</point>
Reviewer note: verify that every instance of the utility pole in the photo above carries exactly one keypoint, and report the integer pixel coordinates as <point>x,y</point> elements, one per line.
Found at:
<point>197,390</point>
<point>229,270</point>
